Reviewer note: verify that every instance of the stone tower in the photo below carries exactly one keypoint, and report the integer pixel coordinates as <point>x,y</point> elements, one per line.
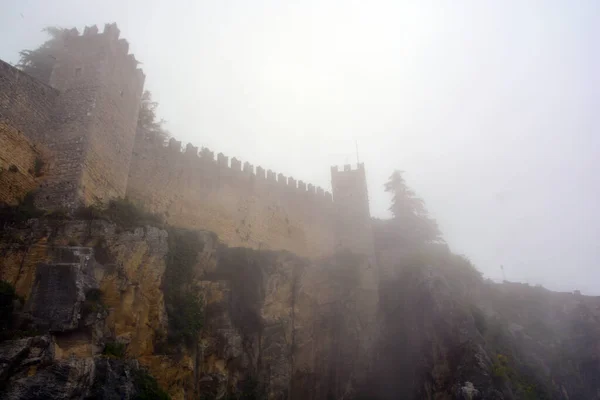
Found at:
<point>354,232</point>
<point>96,118</point>
<point>351,198</point>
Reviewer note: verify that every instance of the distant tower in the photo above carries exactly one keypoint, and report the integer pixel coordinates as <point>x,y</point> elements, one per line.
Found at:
<point>354,232</point>
<point>97,110</point>
<point>351,199</point>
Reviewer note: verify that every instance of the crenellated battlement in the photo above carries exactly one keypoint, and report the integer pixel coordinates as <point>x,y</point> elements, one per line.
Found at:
<point>246,204</point>
<point>347,168</point>
<point>193,159</point>
<point>93,41</point>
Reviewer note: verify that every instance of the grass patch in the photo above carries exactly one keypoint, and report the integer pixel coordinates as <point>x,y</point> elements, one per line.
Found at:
<point>114,349</point>
<point>147,388</point>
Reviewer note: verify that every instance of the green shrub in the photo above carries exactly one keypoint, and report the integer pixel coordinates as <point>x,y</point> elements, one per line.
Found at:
<point>7,297</point>
<point>248,389</point>
<point>89,213</point>
<point>38,166</point>
<point>20,213</point>
<point>93,302</point>
<point>500,368</point>
<point>186,320</point>
<point>13,168</point>
<point>129,216</point>
<point>94,295</point>
<point>114,349</point>
<point>120,211</point>
<point>182,297</point>
<point>58,214</point>
<point>479,318</point>
<point>147,388</point>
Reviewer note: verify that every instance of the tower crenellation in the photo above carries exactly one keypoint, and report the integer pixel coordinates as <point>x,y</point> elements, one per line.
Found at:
<point>260,173</point>
<point>248,169</point>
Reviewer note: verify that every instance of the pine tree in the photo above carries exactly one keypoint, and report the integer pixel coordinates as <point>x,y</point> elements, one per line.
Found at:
<point>148,123</point>
<point>40,62</point>
<point>411,220</point>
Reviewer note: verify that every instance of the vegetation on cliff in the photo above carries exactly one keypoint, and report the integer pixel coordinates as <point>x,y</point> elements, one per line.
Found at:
<point>147,388</point>
<point>182,294</point>
<point>447,333</point>
<point>411,225</point>
<point>121,212</point>
<point>149,125</point>
<point>7,298</point>
<point>26,209</point>
<point>183,299</point>
<point>39,62</point>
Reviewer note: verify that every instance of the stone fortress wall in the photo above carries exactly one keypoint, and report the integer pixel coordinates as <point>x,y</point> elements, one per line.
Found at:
<point>86,117</point>
<point>26,104</point>
<point>96,117</point>
<point>87,120</point>
<point>244,205</point>
<point>26,109</point>
<point>18,157</point>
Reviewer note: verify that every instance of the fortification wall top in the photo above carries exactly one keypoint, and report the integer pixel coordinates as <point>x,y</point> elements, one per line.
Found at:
<point>80,56</point>
<point>191,158</point>
<point>360,167</point>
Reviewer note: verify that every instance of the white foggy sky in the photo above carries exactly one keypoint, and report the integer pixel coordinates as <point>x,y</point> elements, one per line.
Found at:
<point>491,107</point>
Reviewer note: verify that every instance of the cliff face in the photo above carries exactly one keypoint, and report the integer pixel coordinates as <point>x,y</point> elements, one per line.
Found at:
<point>296,329</point>
<point>93,318</point>
<point>447,334</point>
<point>275,325</point>
<point>83,284</point>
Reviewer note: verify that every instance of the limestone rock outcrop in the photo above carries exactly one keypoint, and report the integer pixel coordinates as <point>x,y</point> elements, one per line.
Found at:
<point>274,323</point>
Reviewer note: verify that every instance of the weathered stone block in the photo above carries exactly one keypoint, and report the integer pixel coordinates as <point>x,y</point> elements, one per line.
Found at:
<point>56,297</point>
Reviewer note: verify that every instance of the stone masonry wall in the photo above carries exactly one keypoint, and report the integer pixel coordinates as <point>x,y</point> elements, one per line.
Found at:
<point>17,165</point>
<point>41,113</point>
<point>244,207</point>
<point>97,109</point>
<point>351,196</point>
<point>101,63</point>
<point>25,103</point>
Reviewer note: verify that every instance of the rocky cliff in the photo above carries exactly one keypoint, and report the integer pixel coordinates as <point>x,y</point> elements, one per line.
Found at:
<point>104,309</point>
<point>448,334</point>
<point>95,300</point>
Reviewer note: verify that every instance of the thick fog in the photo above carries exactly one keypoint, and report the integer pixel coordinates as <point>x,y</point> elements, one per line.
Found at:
<point>491,107</point>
